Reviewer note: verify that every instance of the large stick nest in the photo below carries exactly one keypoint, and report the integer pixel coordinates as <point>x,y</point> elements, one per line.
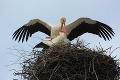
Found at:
<point>70,62</point>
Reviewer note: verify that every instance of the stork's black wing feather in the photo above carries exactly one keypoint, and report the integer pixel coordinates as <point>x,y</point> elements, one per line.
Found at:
<point>26,31</point>
<point>98,28</point>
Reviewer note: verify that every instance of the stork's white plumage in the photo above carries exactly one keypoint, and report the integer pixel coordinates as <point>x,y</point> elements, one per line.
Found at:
<point>58,40</point>
<point>70,31</point>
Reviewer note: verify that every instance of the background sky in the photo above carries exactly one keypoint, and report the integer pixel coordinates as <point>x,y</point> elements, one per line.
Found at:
<point>15,13</point>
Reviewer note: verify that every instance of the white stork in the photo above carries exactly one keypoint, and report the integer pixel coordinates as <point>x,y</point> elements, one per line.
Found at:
<point>62,32</point>
<point>46,43</point>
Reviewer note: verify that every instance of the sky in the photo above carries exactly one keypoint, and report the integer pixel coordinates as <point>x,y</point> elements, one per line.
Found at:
<point>15,13</point>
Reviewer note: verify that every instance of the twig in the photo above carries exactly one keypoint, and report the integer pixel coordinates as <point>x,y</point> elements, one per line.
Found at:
<point>85,74</point>
<point>90,66</point>
<point>94,68</point>
<point>61,77</point>
<point>54,70</point>
<point>67,76</point>
<point>115,49</point>
<point>35,75</point>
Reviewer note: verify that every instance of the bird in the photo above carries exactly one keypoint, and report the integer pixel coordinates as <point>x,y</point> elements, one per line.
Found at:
<point>46,43</point>
<point>61,31</point>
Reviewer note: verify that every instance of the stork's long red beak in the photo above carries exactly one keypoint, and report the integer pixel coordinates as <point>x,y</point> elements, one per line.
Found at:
<point>63,28</point>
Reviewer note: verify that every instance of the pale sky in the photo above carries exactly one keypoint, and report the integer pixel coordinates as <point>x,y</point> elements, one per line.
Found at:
<point>15,13</point>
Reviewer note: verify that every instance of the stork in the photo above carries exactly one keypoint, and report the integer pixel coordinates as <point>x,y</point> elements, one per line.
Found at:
<point>62,32</point>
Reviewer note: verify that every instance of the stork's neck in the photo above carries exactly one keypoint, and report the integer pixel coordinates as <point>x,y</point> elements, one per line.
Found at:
<point>60,23</point>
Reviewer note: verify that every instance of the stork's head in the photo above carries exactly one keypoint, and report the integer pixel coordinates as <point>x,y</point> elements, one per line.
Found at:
<point>62,20</point>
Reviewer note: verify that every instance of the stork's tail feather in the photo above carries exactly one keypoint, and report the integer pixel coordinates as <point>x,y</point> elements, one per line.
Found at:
<point>41,45</point>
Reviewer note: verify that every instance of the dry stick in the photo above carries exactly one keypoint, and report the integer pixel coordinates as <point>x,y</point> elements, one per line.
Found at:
<point>108,76</point>
<point>54,70</point>
<point>114,50</point>
<point>44,59</point>
<point>35,76</point>
<point>61,77</point>
<point>94,68</point>
<point>67,76</point>
<point>85,71</point>
<point>20,53</point>
<point>107,49</point>
<point>85,74</point>
<point>90,66</point>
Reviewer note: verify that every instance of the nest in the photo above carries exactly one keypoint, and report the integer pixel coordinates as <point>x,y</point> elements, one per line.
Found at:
<point>70,62</point>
